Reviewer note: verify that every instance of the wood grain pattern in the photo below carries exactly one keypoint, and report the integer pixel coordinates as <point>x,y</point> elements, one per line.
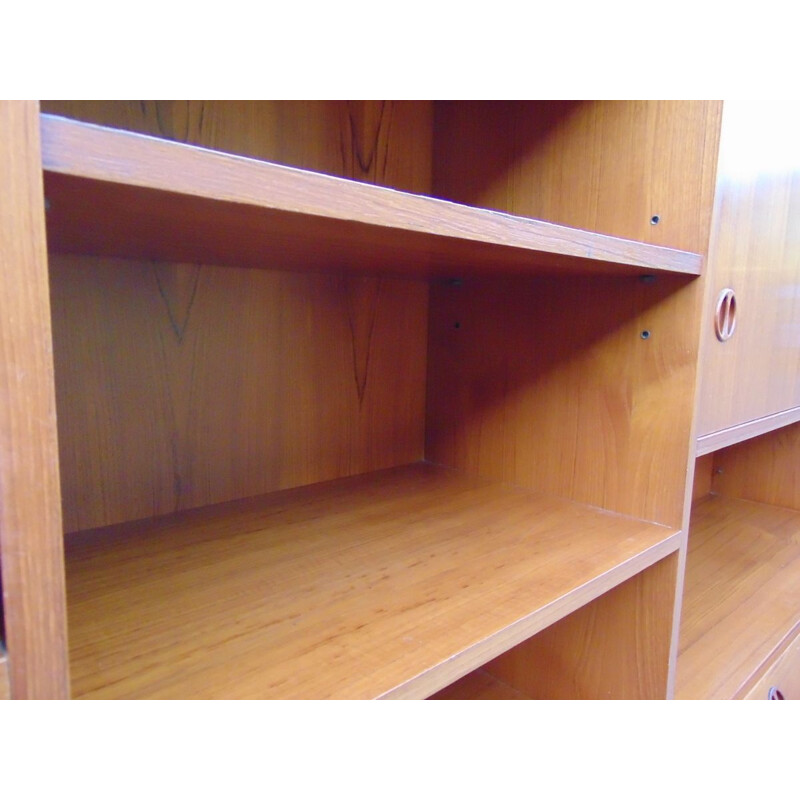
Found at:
<point>616,647</point>
<point>550,385</point>
<point>602,166</point>
<point>379,590</point>
<point>765,469</point>
<point>393,584</point>
<point>755,250</point>
<point>30,507</point>
<point>385,142</point>
<point>783,673</point>
<point>114,193</point>
<point>741,596</point>
<point>183,386</point>
<point>180,385</point>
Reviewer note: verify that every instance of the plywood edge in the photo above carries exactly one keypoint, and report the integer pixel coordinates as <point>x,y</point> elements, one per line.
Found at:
<point>127,159</point>
<point>465,662</point>
<point>711,442</point>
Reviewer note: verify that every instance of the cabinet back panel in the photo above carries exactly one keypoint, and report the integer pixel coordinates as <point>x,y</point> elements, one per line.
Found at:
<point>550,385</point>
<point>765,469</point>
<point>182,385</point>
<point>607,166</point>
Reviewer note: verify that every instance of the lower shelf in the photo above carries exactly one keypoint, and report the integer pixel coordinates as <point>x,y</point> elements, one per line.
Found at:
<point>741,595</point>
<point>393,584</point>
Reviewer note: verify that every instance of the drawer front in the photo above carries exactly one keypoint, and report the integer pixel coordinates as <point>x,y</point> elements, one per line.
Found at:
<point>782,678</point>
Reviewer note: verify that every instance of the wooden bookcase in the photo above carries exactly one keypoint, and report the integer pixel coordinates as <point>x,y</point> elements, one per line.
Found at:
<point>369,399</point>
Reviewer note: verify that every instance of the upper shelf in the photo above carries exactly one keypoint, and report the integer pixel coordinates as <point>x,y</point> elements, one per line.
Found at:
<point>391,584</point>
<point>116,193</point>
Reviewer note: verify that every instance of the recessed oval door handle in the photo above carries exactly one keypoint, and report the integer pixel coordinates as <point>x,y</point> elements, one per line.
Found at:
<point>775,693</point>
<point>725,315</point>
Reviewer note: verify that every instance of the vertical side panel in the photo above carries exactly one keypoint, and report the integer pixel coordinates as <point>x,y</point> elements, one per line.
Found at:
<point>581,388</point>
<point>586,411</point>
<point>31,537</point>
<point>608,166</point>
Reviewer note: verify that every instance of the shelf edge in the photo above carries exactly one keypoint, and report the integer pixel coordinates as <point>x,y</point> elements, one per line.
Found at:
<point>121,157</point>
<point>461,664</point>
<point>710,442</point>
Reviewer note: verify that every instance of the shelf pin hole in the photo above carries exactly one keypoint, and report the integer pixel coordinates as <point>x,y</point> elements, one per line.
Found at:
<point>645,334</point>
<point>655,219</point>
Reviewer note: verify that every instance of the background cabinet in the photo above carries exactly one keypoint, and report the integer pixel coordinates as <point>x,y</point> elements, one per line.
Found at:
<point>751,383</point>
<point>319,438</point>
<point>741,597</point>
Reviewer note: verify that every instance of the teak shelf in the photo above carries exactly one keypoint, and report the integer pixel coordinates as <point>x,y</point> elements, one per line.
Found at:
<point>115,193</point>
<point>386,585</point>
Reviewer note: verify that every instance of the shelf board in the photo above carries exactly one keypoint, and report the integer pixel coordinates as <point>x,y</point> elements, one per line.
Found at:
<point>391,584</point>
<point>116,193</point>
<point>741,594</point>
<point>711,442</point>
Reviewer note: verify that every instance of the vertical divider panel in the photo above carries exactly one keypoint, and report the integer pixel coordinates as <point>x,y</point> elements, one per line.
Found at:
<point>31,536</point>
<point>588,392</point>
